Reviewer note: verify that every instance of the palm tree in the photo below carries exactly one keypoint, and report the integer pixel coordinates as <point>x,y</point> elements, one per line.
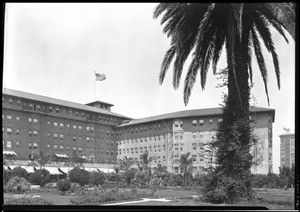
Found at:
<point>126,163</point>
<point>76,160</point>
<point>201,30</point>
<point>185,166</point>
<point>40,160</point>
<point>160,170</point>
<point>145,161</point>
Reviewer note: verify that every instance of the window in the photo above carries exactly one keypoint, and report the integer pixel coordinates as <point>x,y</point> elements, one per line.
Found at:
<point>48,146</point>
<point>194,158</point>
<point>194,135</point>
<point>76,114</point>
<point>17,131</point>
<point>194,122</point>
<point>18,118</point>
<point>194,148</point>
<point>8,130</point>
<point>87,128</point>
<point>61,148</point>
<point>19,102</point>
<point>55,135</point>
<point>55,147</point>
<point>48,122</point>
<point>35,145</point>
<point>87,139</point>
<point>29,133</point>
<point>210,121</point>
<point>10,100</point>
<point>29,145</point>
<point>80,127</point>
<point>79,149</point>
<point>50,109</point>
<point>29,120</point>
<point>74,139</point>
<point>201,122</point>
<point>57,110</point>
<point>35,133</point>
<point>221,120</point>
<point>61,125</point>
<point>55,123</point>
<point>8,144</point>
<point>61,137</point>
<point>35,121</point>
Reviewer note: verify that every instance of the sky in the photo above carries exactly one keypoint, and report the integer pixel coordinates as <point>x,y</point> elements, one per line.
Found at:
<point>53,49</point>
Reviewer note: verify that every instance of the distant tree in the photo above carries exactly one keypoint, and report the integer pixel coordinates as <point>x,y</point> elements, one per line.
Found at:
<point>40,160</point>
<point>160,170</point>
<point>185,164</point>
<point>76,160</point>
<point>126,163</point>
<point>287,175</point>
<point>145,161</point>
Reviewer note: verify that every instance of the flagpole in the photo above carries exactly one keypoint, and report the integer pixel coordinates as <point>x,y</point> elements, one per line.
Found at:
<point>94,85</point>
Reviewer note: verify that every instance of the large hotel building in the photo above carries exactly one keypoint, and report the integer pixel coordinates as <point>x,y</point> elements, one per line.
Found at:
<point>33,122</point>
<point>287,149</point>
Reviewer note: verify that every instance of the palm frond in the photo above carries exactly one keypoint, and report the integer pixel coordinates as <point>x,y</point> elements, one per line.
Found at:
<point>172,10</point>
<point>190,79</point>
<point>285,12</point>
<point>160,8</point>
<point>219,42</point>
<point>249,60</point>
<point>166,63</point>
<point>262,27</point>
<point>260,61</point>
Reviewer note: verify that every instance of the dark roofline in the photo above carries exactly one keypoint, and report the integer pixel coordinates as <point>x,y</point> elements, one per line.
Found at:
<point>54,101</point>
<point>192,113</point>
<point>98,101</point>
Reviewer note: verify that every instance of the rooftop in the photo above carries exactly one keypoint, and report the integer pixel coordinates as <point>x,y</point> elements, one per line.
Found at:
<point>98,101</point>
<point>54,101</point>
<point>191,113</point>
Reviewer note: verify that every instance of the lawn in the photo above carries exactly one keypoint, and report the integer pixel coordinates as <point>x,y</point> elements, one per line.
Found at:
<point>273,199</point>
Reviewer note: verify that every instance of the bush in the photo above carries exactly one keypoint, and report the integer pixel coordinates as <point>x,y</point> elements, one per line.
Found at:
<point>100,196</point>
<point>80,176</point>
<point>6,176</point>
<point>113,177</point>
<point>98,178</point>
<point>64,185</point>
<point>27,200</point>
<point>175,180</point>
<point>17,185</point>
<point>128,176</point>
<point>19,172</point>
<point>216,196</point>
<point>40,177</point>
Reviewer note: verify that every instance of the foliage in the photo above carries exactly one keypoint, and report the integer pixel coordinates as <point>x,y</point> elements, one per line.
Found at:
<point>202,180</point>
<point>42,159</point>
<point>287,175</point>
<point>140,178</point>
<point>98,178</point>
<point>215,196</point>
<point>186,167</point>
<point>175,180</point>
<point>76,160</point>
<point>19,172</point>
<point>80,176</point>
<point>113,177</point>
<point>259,180</point>
<point>128,176</point>
<point>17,185</point>
<point>6,175</point>
<point>40,177</point>
<point>27,200</point>
<point>64,185</point>
<point>100,196</point>
<point>126,163</point>
<point>160,171</point>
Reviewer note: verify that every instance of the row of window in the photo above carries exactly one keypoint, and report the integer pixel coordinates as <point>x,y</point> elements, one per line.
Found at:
<point>51,109</point>
<point>137,150</point>
<point>142,129</point>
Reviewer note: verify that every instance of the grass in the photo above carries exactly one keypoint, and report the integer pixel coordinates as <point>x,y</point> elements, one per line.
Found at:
<point>272,199</point>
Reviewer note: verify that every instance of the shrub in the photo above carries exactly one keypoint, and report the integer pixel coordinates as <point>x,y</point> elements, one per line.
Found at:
<point>64,185</point>
<point>80,176</point>
<point>40,177</point>
<point>113,177</point>
<point>98,178</point>
<point>100,196</point>
<point>17,185</point>
<point>259,180</point>
<point>6,176</point>
<point>27,200</point>
<point>175,180</point>
<point>128,176</point>
<point>216,196</point>
<point>19,172</point>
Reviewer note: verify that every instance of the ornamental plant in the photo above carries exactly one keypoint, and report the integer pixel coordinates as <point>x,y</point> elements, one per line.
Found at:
<point>64,185</point>
<point>17,185</point>
<point>19,172</point>
<point>40,177</point>
<point>80,176</point>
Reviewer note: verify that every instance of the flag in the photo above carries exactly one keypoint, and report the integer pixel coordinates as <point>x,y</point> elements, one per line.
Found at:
<point>100,77</point>
<point>286,129</point>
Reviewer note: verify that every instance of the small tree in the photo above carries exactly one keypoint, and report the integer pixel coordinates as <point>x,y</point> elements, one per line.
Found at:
<point>17,185</point>
<point>98,178</point>
<point>40,177</point>
<point>19,172</point>
<point>64,185</point>
<point>80,176</point>
<point>128,176</point>
<point>126,163</point>
<point>40,160</point>
<point>76,160</point>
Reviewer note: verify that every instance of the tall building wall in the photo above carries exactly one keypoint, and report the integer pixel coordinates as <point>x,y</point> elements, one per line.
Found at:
<point>287,150</point>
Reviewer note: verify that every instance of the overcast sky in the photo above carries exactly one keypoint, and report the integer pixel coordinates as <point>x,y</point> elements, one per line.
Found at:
<point>53,49</point>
